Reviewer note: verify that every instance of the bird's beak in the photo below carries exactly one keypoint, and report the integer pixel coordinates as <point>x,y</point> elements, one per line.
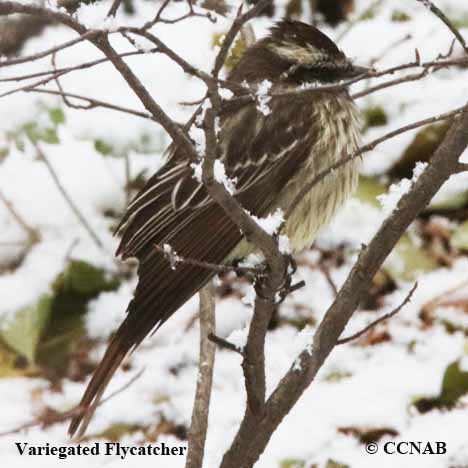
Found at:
<point>357,70</point>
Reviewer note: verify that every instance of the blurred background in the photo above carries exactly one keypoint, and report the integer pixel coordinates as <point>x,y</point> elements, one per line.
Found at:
<point>66,175</point>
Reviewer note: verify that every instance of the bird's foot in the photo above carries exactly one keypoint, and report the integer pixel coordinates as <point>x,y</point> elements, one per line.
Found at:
<point>286,288</point>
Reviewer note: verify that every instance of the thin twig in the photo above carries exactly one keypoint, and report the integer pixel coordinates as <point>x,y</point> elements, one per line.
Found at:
<point>81,66</point>
<point>427,67</point>
<point>191,13</point>
<point>67,197</point>
<point>438,300</point>
<point>248,96</point>
<point>31,58</point>
<point>201,406</point>
<point>174,259</point>
<point>186,66</point>
<point>66,415</point>
<point>93,103</point>
<point>326,273</point>
<point>379,320</point>
<point>151,23</point>
<point>32,233</point>
<point>65,99</point>
<point>236,26</point>
<point>356,20</point>
<point>114,7</point>
<point>13,244</point>
<point>225,344</point>
<point>440,14</point>
<point>391,83</point>
<point>391,48</point>
<point>128,177</point>
<point>31,86</point>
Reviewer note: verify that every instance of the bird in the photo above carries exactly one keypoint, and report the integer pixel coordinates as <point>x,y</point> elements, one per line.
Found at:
<point>271,152</point>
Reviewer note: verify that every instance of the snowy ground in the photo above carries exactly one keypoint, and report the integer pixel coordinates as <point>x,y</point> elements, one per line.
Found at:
<point>368,385</point>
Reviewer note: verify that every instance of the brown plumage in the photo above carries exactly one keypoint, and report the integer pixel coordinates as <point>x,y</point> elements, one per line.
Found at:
<point>271,157</point>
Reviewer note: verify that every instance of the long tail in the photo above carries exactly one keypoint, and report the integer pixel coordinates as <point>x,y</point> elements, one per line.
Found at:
<point>93,394</point>
<point>209,236</point>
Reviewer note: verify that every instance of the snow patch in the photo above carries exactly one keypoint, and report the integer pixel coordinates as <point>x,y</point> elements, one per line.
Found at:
<point>263,98</point>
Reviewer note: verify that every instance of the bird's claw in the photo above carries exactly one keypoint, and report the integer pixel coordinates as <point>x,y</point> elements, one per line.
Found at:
<point>287,287</point>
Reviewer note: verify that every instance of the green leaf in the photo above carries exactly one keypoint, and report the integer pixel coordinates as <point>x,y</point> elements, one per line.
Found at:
<point>22,331</point>
<point>459,239</point>
<point>454,385</point>
<point>337,376</point>
<point>292,463</point>
<point>375,117</point>
<point>8,360</point>
<point>334,464</point>
<point>56,115</point>
<point>31,131</point>
<point>400,16</point>
<point>294,9</point>
<point>369,189</point>
<point>102,147</point>
<point>84,279</point>
<point>117,431</point>
<point>425,142</point>
<point>49,135</point>
<point>408,260</point>
<point>73,289</point>
<point>235,53</point>
<point>34,133</point>
<point>460,21</point>
<point>455,202</point>
<point>19,143</point>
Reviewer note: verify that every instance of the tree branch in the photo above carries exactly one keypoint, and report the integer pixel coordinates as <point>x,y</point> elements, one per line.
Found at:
<point>250,442</point>
<point>201,406</point>
<point>385,317</point>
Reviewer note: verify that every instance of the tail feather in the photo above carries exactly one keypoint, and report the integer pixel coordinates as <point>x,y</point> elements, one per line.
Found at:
<point>114,355</point>
<point>161,291</point>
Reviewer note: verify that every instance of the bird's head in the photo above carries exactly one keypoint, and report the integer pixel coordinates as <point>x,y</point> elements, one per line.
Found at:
<point>295,53</point>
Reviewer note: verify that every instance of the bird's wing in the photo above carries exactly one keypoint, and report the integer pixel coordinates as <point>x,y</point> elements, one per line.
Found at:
<point>200,231</point>
<point>253,146</point>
